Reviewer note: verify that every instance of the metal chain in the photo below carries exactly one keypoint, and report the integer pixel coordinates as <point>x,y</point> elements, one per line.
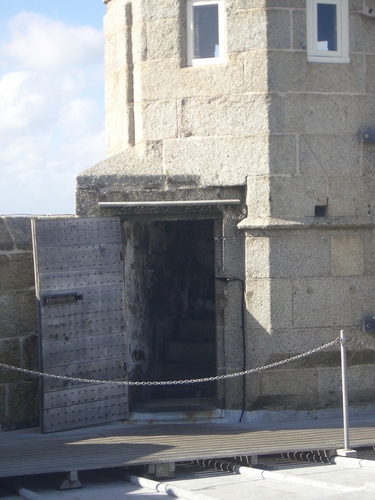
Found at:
<point>172,382</point>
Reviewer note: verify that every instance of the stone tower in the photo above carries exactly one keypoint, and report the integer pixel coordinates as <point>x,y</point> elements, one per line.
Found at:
<point>263,111</point>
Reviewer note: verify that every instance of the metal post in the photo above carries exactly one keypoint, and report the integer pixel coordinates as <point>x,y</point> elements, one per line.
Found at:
<point>344,390</point>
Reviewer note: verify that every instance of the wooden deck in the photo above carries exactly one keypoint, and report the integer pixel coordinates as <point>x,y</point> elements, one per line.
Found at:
<point>30,452</point>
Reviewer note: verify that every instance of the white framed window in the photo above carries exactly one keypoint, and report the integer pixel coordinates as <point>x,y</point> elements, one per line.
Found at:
<point>327,31</point>
<point>205,32</point>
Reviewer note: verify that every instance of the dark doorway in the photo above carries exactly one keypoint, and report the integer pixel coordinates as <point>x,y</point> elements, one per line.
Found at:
<point>172,272</point>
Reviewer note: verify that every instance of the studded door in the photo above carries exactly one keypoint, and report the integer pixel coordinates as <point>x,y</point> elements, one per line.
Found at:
<point>79,287</point>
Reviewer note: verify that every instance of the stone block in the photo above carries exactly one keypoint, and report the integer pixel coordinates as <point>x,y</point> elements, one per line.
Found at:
<point>148,10</point>
<point>278,29</point>
<point>233,295</point>
<point>299,37</point>
<point>283,344</point>
<point>216,161</point>
<point>157,79</point>
<point>2,404</point>
<point>6,240</point>
<point>156,120</point>
<point>256,71</point>
<point>118,89</point>
<point>30,353</point>
<point>288,388</point>
<point>351,195</point>
<point>23,404</point>
<point>329,154</point>
<point>164,39</point>
<point>16,271</point>
<point>370,74</point>
<point>247,30</point>
<point>224,115</point>
<point>313,113</point>
<point>269,303</point>
<point>10,354</point>
<point>368,159</point>
<point>369,252</point>
<point>18,313</point>
<point>361,33</point>
<point>20,230</point>
<point>283,154</point>
<point>118,52</point>
<point>250,4</point>
<point>290,71</point>
<point>258,196</point>
<point>286,254</point>
<point>347,256</point>
<point>296,196</point>
<point>336,302</point>
<point>117,17</point>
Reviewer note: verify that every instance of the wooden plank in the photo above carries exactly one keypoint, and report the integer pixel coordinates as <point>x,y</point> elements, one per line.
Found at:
<point>106,369</point>
<point>84,414</point>
<point>73,326</point>
<point>83,394</point>
<point>77,231</point>
<point>75,258</point>
<point>82,278</point>
<point>91,348</point>
<point>81,301</point>
<point>30,452</point>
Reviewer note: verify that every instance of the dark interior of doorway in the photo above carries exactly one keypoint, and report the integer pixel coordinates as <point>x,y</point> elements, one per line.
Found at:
<point>181,309</point>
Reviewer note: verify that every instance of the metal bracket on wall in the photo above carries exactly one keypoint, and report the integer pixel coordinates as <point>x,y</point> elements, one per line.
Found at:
<point>369,324</point>
<point>61,298</point>
<point>367,136</point>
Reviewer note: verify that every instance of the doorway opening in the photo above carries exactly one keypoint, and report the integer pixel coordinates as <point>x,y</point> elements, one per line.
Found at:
<point>170,297</point>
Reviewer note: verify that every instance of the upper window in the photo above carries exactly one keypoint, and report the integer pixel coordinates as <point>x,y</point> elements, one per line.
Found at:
<point>205,29</point>
<point>327,31</point>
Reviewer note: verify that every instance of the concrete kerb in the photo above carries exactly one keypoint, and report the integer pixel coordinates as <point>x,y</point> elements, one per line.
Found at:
<point>288,478</point>
<point>353,462</point>
<point>172,491</point>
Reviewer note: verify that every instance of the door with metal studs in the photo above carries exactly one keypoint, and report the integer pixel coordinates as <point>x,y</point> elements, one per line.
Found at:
<point>80,293</point>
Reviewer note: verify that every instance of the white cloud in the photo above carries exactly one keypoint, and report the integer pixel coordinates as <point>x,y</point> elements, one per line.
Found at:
<point>37,42</point>
<point>51,112</point>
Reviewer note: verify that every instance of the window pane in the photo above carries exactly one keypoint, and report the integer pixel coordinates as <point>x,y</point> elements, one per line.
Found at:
<point>206,31</point>
<point>327,26</point>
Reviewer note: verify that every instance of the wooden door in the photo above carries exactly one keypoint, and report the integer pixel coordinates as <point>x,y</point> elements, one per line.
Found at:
<point>80,292</point>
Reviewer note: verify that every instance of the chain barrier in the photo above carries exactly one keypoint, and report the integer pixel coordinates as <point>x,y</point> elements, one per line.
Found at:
<point>172,382</point>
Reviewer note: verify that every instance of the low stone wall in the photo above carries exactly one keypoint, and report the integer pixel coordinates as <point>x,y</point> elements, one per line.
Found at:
<point>19,394</point>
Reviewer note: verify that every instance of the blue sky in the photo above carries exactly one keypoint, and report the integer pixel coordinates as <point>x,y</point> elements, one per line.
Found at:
<point>51,101</point>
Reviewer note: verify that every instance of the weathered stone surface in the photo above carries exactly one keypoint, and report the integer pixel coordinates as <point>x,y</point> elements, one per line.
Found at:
<point>216,161</point>
<point>20,229</point>
<point>283,154</point>
<point>351,195</point>
<point>289,389</point>
<point>156,120</point>
<point>288,255</point>
<point>290,71</point>
<point>269,303</point>
<point>278,29</point>
<point>254,24</point>
<point>370,72</point>
<point>299,40</point>
<point>224,115</point>
<point>347,256</point>
<point>296,196</point>
<point>18,313</point>
<point>361,33</point>
<point>6,240</point>
<point>332,302</point>
<point>317,156</point>
<point>10,354</point>
<point>163,39</point>
<point>16,271</point>
<point>30,354</point>
<point>23,405</point>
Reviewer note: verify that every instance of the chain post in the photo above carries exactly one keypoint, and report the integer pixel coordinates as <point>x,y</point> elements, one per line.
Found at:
<point>344,380</point>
